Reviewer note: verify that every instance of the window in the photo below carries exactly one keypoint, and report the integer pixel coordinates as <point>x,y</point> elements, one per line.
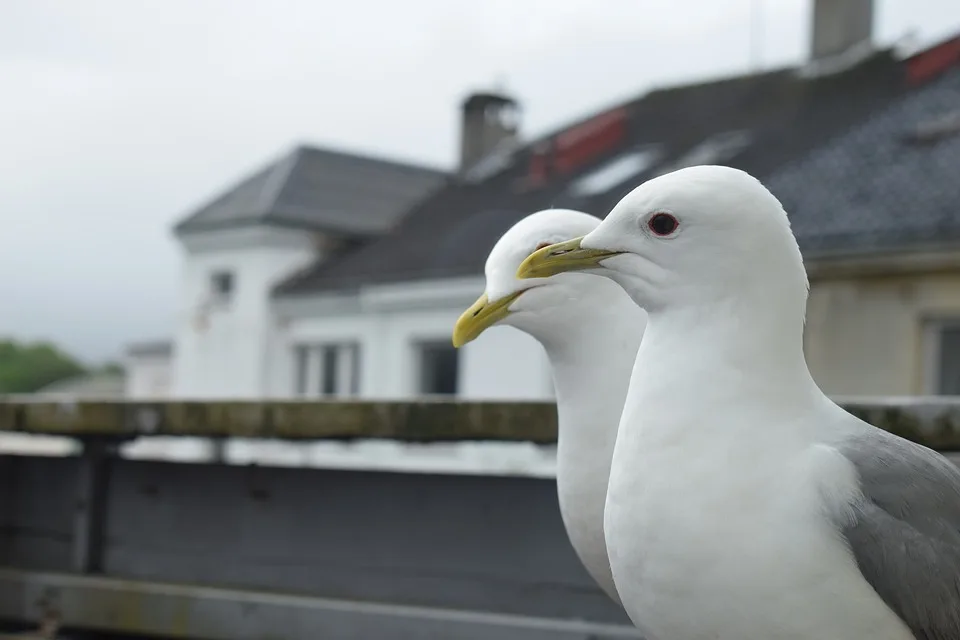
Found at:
<point>221,285</point>
<point>944,369</point>
<point>716,149</point>
<point>303,364</point>
<point>438,368</point>
<point>616,172</point>
<point>327,370</point>
<point>937,128</point>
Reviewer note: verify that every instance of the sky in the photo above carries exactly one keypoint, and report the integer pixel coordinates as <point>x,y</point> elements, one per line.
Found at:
<point>117,118</point>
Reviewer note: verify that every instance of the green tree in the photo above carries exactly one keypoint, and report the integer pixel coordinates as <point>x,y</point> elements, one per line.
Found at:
<point>111,368</point>
<point>25,368</point>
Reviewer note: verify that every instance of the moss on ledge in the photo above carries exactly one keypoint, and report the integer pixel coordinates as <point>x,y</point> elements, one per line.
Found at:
<point>421,421</point>
<point>929,421</point>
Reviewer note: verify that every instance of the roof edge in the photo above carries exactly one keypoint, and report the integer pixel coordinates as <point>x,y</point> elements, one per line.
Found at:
<point>281,164</point>
<point>150,348</point>
<point>370,156</point>
<point>921,257</point>
<point>655,89</point>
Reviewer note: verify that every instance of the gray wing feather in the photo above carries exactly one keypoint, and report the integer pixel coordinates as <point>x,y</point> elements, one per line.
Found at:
<point>906,534</point>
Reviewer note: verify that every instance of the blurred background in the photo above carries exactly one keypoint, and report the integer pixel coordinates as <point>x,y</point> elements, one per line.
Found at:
<point>294,200</point>
<point>235,199</point>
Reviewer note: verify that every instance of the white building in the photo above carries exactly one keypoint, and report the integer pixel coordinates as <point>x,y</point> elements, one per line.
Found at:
<point>328,274</point>
<point>239,335</point>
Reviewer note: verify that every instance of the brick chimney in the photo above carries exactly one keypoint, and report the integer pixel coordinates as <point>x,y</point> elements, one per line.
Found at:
<point>840,28</point>
<point>489,121</point>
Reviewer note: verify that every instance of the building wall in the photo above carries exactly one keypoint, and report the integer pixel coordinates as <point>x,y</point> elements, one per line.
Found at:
<point>865,334</point>
<point>873,335</point>
<point>388,323</point>
<point>223,350</point>
<point>148,376</point>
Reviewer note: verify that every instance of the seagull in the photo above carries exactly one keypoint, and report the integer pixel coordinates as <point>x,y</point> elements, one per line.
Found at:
<point>590,330</point>
<point>743,503</point>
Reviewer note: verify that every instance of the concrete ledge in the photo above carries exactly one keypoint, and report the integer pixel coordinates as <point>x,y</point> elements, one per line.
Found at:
<point>182,611</point>
<point>932,421</point>
<point>421,421</point>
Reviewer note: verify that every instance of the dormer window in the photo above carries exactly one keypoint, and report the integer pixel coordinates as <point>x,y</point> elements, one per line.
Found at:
<point>935,129</point>
<point>221,286</point>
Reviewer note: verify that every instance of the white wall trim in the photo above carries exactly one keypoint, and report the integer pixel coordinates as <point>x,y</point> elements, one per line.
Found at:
<point>883,264</point>
<point>416,295</point>
<point>422,294</point>
<point>256,236</point>
<point>306,307</point>
<point>932,324</point>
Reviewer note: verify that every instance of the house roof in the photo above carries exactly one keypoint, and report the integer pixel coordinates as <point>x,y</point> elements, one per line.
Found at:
<point>96,385</point>
<point>888,184</point>
<point>157,348</point>
<point>320,189</point>
<point>758,122</point>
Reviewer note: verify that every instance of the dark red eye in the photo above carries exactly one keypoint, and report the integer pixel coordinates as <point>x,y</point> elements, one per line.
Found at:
<point>662,224</point>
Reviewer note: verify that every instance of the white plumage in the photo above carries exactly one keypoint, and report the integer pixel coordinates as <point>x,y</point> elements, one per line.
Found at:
<point>742,502</point>
<point>590,330</point>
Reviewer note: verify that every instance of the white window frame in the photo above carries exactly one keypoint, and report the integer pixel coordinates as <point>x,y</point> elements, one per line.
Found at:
<point>311,378</point>
<point>419,347</point>
<point>933,328</point>
<point>629,165</point>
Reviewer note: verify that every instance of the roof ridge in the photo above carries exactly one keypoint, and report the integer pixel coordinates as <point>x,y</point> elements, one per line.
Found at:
<point>277,179</point>
<point>262,171</point>
<point>654,90</point>
<point>369,156</point>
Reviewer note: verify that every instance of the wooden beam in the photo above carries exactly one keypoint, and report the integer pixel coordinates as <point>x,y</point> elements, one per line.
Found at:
<point>422,421</point>
<point>932,421</point>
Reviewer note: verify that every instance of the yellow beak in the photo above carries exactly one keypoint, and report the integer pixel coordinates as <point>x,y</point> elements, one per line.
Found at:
<point>479,316</point>
<point>560,257</point>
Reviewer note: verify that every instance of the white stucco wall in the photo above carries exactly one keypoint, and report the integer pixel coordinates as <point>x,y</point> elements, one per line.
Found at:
<point>229,356</point>
<point>246,348</point>
<point>148,376</point>
<point>388,322</point>
<point>505,364</point>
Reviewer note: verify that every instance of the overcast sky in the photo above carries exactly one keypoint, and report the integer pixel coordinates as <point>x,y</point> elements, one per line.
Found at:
<point>118,117</point>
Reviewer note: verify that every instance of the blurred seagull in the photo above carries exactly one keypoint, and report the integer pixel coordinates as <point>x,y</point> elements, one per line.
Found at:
<point>590,330</point>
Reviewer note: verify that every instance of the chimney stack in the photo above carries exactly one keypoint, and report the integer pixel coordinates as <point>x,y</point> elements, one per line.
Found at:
<point>489,120</point>
<point>840,27</point>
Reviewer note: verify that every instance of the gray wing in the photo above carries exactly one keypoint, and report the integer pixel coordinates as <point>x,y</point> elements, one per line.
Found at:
<point>906,536</point>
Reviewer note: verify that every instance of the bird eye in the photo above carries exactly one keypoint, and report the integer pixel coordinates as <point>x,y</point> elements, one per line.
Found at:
<point>542,245</point>
<point>662,224</point>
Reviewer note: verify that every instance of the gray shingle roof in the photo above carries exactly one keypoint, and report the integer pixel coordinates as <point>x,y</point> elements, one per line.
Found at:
<point>320,189</point>
<point>784,114</point>
<point>153,348</point>
<point>878,188</point>
<point>96,385</point>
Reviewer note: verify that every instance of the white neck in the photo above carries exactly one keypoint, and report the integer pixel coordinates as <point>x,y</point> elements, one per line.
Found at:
<point>697,362</point>
<point>591,367</point>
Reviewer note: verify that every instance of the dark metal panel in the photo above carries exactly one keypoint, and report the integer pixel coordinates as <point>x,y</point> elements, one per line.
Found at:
<point>90,512</point>
<point>39,511</point>
<point>466,542</point>
<point>179,611</point>
<point>479,542</point>
<point>8,490</point>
